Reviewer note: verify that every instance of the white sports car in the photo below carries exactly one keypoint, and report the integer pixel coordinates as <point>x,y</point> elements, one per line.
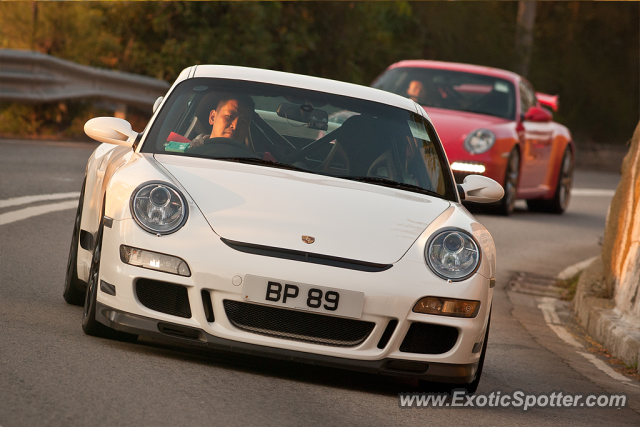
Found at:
<point>247,218</point>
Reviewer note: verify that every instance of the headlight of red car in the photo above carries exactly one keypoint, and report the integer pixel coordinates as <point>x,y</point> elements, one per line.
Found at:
<point>479,141</point>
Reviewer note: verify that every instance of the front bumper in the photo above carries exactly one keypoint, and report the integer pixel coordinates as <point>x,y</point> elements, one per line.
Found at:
<point>216,268</point>
<point>140,325</point>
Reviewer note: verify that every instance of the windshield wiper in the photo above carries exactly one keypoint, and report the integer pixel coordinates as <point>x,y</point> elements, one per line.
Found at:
<point>258,161</point>
<point>393,184</point>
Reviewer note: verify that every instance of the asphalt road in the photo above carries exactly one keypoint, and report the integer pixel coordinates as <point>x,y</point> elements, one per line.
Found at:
<point>53,374</point>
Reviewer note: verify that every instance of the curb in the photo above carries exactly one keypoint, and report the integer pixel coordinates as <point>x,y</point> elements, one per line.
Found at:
<point>599,316</point>
<point>575,269</point>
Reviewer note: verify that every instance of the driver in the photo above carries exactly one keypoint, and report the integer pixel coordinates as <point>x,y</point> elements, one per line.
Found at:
<point>425,93</point>
<point>230,119</point>
<point>417,91</point>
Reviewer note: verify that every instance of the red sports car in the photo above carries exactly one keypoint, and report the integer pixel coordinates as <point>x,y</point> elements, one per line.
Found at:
<point>491,122</point>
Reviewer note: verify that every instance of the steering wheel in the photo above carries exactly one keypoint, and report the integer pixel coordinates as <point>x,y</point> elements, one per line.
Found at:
<point>383,160</point>
<point>223,147</point>
<point>335,150</point>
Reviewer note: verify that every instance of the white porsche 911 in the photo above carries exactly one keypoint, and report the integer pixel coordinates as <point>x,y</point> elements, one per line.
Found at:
<point>286,216</point>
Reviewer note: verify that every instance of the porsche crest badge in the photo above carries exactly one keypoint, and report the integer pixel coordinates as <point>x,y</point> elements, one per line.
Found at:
<point>308,239</point>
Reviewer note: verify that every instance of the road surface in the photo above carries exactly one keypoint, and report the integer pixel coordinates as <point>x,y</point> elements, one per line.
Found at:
<point>53,374</point>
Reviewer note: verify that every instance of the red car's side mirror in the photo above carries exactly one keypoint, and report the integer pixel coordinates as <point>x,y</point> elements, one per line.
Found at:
<point>538,114</point>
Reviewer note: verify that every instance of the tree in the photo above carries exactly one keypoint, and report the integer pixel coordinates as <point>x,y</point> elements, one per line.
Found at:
<point>524,35</point>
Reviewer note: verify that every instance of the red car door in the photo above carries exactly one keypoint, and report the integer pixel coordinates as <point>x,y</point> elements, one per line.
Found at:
<point>538,139</point>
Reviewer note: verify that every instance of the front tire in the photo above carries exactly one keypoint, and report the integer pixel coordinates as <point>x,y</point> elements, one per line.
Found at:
<point>472,387</point>
<point>511,180</point>
<point>90,325</point>
<point>73,287</point>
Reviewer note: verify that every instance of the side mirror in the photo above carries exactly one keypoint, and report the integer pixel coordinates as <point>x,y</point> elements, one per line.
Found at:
<point>480,189</point>
<point>538,114</point>
<point>111,130</point>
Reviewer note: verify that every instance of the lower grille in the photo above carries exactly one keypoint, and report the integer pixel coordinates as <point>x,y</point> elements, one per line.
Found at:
<point>425,338</point>
<point>297,325</point>
<point>164,297</point>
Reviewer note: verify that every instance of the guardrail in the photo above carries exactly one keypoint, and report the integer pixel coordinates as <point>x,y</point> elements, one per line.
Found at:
<point>27,76</point>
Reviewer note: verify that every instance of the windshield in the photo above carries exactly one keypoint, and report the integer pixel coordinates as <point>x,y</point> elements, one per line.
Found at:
<point>303,130</point>
<point>452,90</point>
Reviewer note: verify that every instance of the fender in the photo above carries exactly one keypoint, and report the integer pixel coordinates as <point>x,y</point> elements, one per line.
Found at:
<point>561,140</point>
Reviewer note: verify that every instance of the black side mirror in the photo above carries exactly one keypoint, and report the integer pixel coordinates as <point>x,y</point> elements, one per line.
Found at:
<point>461,192</point>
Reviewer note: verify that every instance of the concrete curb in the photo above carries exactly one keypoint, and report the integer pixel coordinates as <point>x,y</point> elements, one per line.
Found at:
<point>575,269</point>
<point>599,316</point>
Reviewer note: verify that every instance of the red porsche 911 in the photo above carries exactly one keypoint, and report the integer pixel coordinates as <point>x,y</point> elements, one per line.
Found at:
<point>491,122</point>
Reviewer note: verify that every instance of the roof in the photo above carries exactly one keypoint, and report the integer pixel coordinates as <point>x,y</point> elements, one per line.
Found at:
<point>456,66</point>
<point>303,82</point>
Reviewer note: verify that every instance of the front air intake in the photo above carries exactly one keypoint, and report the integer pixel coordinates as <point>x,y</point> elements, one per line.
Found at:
<point>426,338</point>
<point>164,297</point>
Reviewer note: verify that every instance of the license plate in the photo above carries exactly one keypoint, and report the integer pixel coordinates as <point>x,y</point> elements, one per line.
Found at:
<point>301,296</point>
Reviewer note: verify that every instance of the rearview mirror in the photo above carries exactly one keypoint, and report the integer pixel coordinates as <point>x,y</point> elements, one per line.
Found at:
<point>480,189</point>
<point>305,113</point>
<point>111,130</point>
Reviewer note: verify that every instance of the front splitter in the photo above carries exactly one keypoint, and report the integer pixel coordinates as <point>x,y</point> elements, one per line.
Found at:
<point>146,326</point>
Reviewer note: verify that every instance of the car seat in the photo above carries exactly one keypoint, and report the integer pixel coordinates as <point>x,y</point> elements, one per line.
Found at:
<point>362,138</point>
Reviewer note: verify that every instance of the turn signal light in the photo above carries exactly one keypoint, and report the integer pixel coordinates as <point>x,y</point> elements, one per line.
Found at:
<point>154,261</point>
<point>447,307</point>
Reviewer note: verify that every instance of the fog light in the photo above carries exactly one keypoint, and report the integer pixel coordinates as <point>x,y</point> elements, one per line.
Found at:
<point>467,167</point>
<point>154,261</point>
<point>447,307</point>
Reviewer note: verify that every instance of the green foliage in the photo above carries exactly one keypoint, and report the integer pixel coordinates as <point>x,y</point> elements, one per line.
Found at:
<point>18,118</point>
<point>57,120</point>
<point>591,60</point>
<point>633,365</point>
<point>585,51</point>
<point>569,287</point>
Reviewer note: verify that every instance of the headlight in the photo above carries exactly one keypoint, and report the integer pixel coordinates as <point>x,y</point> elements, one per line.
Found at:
<point>479,141</point>
<point>159,208</point>
<point>452,254</point>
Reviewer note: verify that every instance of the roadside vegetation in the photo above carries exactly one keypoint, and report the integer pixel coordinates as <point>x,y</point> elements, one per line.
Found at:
<point>569,287</point>
<point>586,52</point>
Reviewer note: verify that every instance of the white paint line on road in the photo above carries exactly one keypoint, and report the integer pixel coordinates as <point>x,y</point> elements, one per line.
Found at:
<point>16,201</point>
<point>607,369</point>
<point>565,336</point>
<point>25,213</point>
<point>592,192</point>
<point>548,307</point>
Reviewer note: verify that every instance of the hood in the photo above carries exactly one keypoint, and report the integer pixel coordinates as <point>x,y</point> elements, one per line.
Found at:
<point>276,207</point>
<point>453,126</point>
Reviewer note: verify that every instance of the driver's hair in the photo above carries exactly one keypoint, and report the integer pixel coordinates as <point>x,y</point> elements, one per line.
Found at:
<point>244,101</point>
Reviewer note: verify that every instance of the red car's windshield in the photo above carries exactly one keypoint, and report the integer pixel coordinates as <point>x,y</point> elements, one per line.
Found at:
<point>452,90</point>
